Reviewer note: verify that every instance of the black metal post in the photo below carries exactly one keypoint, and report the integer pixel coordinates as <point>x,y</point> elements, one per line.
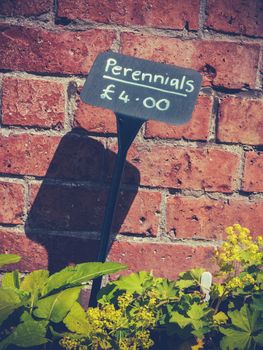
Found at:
<point>127,128</point>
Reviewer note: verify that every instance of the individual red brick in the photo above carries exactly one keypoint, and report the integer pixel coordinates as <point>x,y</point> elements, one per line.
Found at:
<point>196,129</point>
<point>235,16</point>
<point>173,14</point>
<point>207,218</point>
<point>65,208</point>
<point>71,157</point>
<point>253,172</point>
<point>143,216</point>
<point>82,209</point>
<point>240,120</point>
<point>11,203</point>
<point>33,103</point>
<point>163,259</point>
<point>46,251</point>
<point>218,61</point>
<point>94,119</point>
<point>184,168</point>
<point>34,255</point>
<point>60,51</point>
<point>25,7</point>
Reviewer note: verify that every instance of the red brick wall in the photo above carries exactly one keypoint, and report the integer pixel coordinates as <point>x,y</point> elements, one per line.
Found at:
<point>182,185</point>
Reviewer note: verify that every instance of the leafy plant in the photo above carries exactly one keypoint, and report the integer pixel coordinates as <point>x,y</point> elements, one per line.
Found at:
<point>141,311</point>
<point>33,307</point>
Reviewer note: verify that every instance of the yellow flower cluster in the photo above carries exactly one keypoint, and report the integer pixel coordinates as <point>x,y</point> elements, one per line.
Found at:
<point>125,325</point>
<point>104,319</point>
<point>152,295</point>
<point>240,282</point>
<point>239,251</point>
<point>72,344</point>
<point>124,300</point>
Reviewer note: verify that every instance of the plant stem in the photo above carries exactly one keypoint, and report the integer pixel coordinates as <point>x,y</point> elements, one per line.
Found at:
<point>167,301</point>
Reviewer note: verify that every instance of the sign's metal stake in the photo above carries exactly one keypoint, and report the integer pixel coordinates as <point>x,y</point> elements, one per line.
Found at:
<point>127,128</point>
<point>136,90</point>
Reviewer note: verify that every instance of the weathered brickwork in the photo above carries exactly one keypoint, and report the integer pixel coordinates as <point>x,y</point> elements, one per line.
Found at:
<point>182,185</point>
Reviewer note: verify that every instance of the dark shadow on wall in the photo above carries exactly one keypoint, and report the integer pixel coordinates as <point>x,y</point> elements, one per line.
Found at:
<point>69,205</point>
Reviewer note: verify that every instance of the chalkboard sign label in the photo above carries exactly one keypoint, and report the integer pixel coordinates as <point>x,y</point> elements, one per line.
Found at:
<point>141,88</point>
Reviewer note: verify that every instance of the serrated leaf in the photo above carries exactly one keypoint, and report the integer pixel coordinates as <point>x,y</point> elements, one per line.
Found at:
<point>166,289</point>
<point>245,328</point>
<point>135,282</point>
<point>180,319</point>
<point>220,318</point>
<point>11,280</point>
<point>241,319</point>
<point>76,320</point>
<point>9,301</point>
<point>234,339</point>
<point>183,284</point>
<point>198,311</point>
<point>80,274</point>
<point>27,334</point>
<point>6,259</point>
<point>55,307</point>
<point>191,278</point>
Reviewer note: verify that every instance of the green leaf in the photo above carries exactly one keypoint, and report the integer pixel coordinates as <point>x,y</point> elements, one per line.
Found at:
<point>241,319</point>
<point>257,302</point>
<point>9,301</point>
<point>244,331</point>
<point>55,307</point>
<point>259,339</point>
<point>259,277</point>
<point>33,284</point>
<point>11,280</point>
<point>27,334</point>
<point>80,274</point>
<point>166,289</point>
<point>234,339</point>
<point>198,311</point>
<point>220,318</point>
<point>181,320</point>
<point>135,282</point>
<point>35,281</point>
<point>191,278</point>
<point>76,320</point>
<point>6,259</point>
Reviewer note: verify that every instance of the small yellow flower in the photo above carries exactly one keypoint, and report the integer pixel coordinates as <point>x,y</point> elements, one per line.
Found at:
<point>199,345</point>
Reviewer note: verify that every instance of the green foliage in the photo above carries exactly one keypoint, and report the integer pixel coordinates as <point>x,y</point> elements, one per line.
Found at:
<point>76,320</point>
<point>78,275</point>
<point>141,311</point>
<point>188,313</point>
<point>33,307</point>
<point>11,280</point>
<point>55,307</point>
<point>28,333</point>
<point>6,259</point>
<point>245,330</point>
<point>9,301</point>
<point>190,278</point>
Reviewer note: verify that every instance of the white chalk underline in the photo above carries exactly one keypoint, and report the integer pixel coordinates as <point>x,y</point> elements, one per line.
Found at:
<point>143,85</point>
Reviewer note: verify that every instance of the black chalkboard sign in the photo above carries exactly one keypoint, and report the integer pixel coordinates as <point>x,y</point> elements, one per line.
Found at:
<point>141,88</point>
<point>136,90</point>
